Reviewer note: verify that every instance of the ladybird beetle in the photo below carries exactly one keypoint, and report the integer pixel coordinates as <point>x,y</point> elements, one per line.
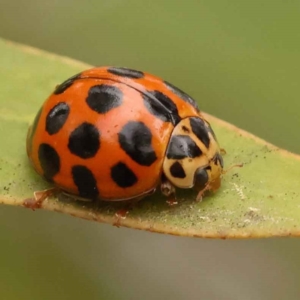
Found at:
<point>113,133</point>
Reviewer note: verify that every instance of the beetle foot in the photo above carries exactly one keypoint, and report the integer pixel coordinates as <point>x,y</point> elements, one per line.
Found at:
<point>38,198</point>
<point>120,215</point>
<point>169,191</point>
<point>202,192</point>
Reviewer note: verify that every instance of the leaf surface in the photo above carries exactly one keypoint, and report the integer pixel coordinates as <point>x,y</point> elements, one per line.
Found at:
<point>261,199</point>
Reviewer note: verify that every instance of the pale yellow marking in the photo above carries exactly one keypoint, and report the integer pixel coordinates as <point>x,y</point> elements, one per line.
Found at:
<point>190,165</point>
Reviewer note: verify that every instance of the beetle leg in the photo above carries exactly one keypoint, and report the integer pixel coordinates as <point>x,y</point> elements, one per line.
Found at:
<point>201,193</point>
<point>122,213</point>
<point>129,205</point>
<point>168,189</point>
<point>39,197</point>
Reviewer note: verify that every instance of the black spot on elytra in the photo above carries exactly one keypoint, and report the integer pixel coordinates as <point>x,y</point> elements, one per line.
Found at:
<point>161,106</point>
<point>135,139</point>
<point>66,84</point>
<point>122,175</point>
<point>125,72</point>
<point>84,141</point>
<point>102,98</point>
<point>49,160</point>
<point>200,179</point>
<point>182,146</point>
<point>200,130</point>
<point>85,182</point>
<point>57,117</point>
<point>177,170</point>
<point>181,94</point>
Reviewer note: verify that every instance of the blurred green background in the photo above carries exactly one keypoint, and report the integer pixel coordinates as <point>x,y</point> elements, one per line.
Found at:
<point>240,60</point>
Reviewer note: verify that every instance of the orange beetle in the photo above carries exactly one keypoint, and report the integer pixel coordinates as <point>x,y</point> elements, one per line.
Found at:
<point>115,134</point>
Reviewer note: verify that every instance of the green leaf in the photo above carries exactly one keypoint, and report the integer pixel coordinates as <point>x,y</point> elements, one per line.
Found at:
<point>258,200</point>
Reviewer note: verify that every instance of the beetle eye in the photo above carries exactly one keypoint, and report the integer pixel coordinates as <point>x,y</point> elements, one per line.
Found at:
<point>200,179</point>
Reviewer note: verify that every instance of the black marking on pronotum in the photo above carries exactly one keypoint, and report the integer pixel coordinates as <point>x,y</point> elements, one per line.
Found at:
<point>177,170</point>
<point>185,129</point>
<point>85,182</point>
<point>161,106</point>
<point>66,84</point>
<point>182,146</point>
<point>122,175</point>
<point>135,139</point>
<point>181,94</point>
<point>57,117</point>
<point>84,141</point>
<point>49,160</point>
<point>103,98</point>
<point>211,131</point>
<point>200,130</point>
<point>125,72</point>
